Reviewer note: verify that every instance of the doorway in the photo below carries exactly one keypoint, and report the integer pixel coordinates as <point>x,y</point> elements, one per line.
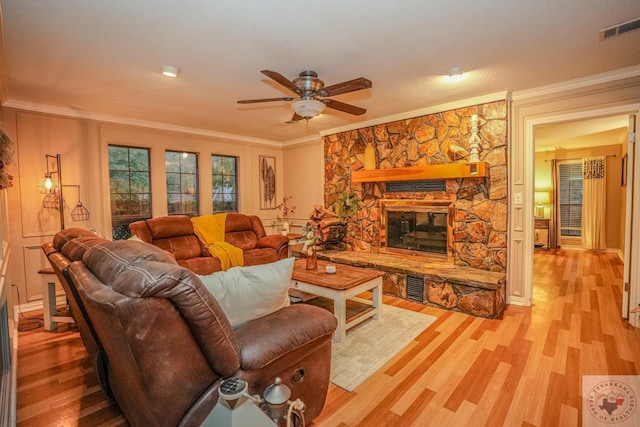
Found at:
<point>560,149</point>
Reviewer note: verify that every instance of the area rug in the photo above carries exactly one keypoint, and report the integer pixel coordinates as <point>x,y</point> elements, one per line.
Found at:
<point>373,343</point>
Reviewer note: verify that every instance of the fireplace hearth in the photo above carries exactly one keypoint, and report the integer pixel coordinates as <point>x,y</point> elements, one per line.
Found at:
<point>422,228</point>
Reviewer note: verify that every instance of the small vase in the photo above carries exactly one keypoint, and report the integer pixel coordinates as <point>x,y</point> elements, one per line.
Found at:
<point>312,258</point>
<point>285,228</point>
<point>369,157</point>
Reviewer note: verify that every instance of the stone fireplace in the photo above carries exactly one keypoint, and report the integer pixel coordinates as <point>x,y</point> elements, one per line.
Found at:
<point>420,228</point>
<point>461,268</point>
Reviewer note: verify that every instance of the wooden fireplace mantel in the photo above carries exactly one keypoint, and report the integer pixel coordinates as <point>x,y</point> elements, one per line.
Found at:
<point>413,173</point>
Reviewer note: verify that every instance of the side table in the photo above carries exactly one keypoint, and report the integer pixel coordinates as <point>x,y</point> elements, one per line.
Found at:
<point>294,239</point>
<point>50,311</point>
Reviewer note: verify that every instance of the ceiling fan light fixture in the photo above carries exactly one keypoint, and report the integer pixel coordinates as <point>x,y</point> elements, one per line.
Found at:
<point>308,108</point>
<point>170,71</point>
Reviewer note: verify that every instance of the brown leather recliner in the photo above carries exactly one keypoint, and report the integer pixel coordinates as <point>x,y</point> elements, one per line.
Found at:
<point>70,245</point>
<point>168,344</point>
<point>175,234</point>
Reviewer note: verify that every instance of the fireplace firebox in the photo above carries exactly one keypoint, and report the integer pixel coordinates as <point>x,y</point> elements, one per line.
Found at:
<point>417,227</point>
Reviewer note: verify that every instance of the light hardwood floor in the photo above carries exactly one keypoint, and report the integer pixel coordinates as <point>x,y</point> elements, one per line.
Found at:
<point>522,370</point>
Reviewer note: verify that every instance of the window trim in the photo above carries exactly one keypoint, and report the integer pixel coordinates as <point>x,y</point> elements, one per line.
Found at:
<point>236,179</point>
<point>196,179</point>
<point>574,175</point>
<point>129,217</point>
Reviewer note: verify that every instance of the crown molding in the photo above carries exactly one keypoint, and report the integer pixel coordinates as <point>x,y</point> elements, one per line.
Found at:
<point>87,115</point>
<point>609,76</point>
<point>302,141</point>
<point>498,96</point>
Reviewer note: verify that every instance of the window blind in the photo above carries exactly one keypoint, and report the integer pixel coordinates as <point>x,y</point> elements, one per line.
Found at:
<point>570,199</point>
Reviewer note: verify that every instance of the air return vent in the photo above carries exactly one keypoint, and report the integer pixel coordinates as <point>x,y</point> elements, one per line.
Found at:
<point>420,185</point>
<point>618,30</point>
<point>415,288</point>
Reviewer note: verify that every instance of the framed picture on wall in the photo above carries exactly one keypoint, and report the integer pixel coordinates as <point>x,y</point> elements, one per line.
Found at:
<point>267,171</point>
<point>623,178</point>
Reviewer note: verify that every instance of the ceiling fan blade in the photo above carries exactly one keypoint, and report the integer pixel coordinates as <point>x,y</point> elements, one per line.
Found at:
<point>344,87</point>
<point>347,108</point>
<point>279,78</point>
<point>296,118</point>
<point>252,101</point>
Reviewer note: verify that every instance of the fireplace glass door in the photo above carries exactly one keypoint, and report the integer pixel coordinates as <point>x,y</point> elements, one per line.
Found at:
<point>417,231</point>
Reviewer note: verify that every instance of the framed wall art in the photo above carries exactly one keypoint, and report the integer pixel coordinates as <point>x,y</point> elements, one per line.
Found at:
<point>267,182</point>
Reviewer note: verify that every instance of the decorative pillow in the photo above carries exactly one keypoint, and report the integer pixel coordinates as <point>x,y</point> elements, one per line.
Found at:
<point>247,293</point>
<point>135,238</point>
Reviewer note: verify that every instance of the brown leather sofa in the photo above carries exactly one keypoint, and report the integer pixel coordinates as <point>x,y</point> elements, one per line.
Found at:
<point>175,234</point>
<point>166,343</point>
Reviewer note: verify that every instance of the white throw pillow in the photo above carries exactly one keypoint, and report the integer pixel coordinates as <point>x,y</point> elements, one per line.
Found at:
<point>247,293</point>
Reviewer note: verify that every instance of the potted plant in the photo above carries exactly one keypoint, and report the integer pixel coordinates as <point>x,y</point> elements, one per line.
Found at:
<point>6,157</point>
<point>345,208</point>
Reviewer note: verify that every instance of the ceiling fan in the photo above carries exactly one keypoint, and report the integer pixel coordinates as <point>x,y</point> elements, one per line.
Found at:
<point>313,94</point>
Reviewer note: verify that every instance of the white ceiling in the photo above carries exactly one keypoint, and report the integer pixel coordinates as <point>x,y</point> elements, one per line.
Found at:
<point>574,134</point>
<point>104,57</point>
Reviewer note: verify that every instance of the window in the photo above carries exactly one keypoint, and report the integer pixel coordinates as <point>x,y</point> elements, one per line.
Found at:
<point>224,193</point>
<point>182,183</point>
<point>570,199</point>
<point>130,188</point>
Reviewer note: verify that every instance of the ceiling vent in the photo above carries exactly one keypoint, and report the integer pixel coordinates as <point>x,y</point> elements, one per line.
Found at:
<point>618,30</point>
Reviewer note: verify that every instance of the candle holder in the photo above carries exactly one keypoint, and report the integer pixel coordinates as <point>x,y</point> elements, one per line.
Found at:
<point>474,142</point>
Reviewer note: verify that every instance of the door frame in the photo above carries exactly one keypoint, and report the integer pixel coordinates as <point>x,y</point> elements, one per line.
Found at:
<point>528,196</point>
<point>628,225</point>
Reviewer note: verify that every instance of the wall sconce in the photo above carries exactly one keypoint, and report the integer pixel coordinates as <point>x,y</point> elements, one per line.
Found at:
<point>52,188</point>
<point>541,199</point>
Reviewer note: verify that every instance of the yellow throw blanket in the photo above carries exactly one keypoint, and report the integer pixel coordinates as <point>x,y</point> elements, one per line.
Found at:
<point>210,231</point>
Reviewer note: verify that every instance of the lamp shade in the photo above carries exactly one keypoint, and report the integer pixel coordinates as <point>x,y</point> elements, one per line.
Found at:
<point>51,201</point>
<point>308,108</point>
<point>79,213</point>
<point>541,197</point>
<point>48,184</point>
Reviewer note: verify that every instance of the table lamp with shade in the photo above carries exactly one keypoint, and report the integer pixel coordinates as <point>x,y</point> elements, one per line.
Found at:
<point>541,199</point>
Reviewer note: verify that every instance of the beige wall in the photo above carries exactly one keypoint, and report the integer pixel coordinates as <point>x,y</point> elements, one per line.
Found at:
<point>83,146</point>
<point>298,173</point>
<point>303,179</point>
<point>615,192</point>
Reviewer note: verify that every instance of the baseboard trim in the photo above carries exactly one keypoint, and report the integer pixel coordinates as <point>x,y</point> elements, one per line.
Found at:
<point>520,301</point>
<point>37,305</point>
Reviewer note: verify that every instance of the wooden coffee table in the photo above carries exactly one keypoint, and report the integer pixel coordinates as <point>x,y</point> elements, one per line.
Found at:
<point>340,286</point>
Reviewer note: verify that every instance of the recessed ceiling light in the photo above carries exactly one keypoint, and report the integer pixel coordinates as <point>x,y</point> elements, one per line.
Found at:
<point>456,73</point>
<point>170,71</point>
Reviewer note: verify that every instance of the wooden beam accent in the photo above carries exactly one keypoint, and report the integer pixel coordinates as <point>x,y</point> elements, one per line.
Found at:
<point>414,173</point>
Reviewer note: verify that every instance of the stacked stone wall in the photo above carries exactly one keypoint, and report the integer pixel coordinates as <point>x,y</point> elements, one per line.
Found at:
<point>480,223</point>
